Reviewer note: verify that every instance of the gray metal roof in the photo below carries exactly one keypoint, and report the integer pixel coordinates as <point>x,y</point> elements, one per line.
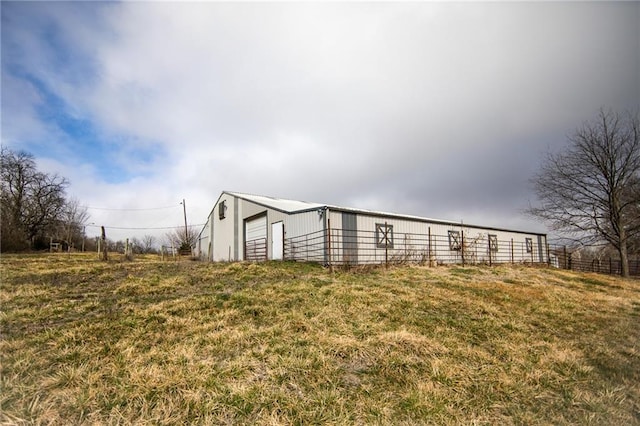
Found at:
<point>287,206</point>
<point>293,206</point>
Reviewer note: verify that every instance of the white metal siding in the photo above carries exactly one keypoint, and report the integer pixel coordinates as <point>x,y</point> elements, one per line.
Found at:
<point>222,231</point>
<point>303,223</point>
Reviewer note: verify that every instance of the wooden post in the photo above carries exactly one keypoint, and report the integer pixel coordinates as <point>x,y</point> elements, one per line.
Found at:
<point>103,237</point>
<point>186,234</point>
<point>566,260</point>
<point>462,246</point>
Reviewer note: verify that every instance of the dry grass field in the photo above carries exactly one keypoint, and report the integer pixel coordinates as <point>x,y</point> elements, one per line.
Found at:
<point>152,342</point>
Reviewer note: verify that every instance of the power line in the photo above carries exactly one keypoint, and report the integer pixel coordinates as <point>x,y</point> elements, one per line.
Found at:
<point>142,229</point>
<point>124,210</point>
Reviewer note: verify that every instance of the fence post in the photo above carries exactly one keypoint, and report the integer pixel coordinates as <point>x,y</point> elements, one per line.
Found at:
<point>490,249</point>
<point>329,243</point>
<point>386,246</point>
<point>429,231</point>
<point>103,236</point>
<point>548,255</point>
<point>512,251</point>
<point>462,246</point>
<point>566,260</point>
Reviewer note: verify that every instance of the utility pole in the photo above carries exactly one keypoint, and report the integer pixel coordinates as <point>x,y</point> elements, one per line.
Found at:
<point>186,235</point>
<point>84,228</point>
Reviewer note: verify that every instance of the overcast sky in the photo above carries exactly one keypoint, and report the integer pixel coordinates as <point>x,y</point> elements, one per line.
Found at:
<point>441,110</point>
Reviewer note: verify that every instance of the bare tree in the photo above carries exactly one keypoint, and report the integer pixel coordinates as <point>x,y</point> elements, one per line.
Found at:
<point>32,202</point>
<point>73,219</point>
<point>179,240</point>
<point>591,191</point>
<point>148,244</point>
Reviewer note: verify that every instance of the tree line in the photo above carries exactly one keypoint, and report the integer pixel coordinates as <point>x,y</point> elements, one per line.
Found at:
<point>588,193</point>
<point>34,205</point>
<point>35,211</point>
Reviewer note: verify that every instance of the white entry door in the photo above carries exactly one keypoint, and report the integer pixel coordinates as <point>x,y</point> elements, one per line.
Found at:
<point>277,240</point>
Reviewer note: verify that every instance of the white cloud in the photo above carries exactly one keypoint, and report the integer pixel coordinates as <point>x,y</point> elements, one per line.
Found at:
<point>435,109</point>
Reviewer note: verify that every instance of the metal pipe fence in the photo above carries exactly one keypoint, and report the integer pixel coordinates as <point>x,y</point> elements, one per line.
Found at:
<point>336,247</point>
<point>308,247</point>
<point>256,250</point>
<point>590,259</point>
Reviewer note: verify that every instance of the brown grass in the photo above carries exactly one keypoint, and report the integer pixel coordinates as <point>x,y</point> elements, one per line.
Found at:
<point>151,342</point>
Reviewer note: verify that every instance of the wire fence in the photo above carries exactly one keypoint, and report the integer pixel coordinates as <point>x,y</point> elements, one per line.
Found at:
<point>345,248</point>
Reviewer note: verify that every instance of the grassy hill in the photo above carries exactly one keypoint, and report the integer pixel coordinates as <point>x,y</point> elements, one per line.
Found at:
<point>154,342</point>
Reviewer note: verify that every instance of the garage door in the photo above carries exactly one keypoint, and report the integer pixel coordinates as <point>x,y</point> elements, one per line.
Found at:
<point>255,237</point>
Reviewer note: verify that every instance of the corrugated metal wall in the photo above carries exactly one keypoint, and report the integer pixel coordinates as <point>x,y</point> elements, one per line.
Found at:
<point>414,240</point>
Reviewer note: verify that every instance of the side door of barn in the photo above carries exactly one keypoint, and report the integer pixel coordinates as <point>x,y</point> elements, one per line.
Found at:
<point>277,240</point>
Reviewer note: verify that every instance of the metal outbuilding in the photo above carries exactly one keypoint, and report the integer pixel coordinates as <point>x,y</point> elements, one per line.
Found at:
<point>252,227</point>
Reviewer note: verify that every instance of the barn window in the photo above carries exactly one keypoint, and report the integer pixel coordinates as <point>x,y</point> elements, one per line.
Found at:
<point>222,209</point>
<point>454,240</point>
<point>493,242</point>
<point>384,235</point>
<point>528,242</point>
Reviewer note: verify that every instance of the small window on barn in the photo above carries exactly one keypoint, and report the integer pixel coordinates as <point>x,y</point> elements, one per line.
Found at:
<point>384,235</point>
<point>454,241</point>
<point>493,242</point>
<point>528,242</point>
<point>222,210</point>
